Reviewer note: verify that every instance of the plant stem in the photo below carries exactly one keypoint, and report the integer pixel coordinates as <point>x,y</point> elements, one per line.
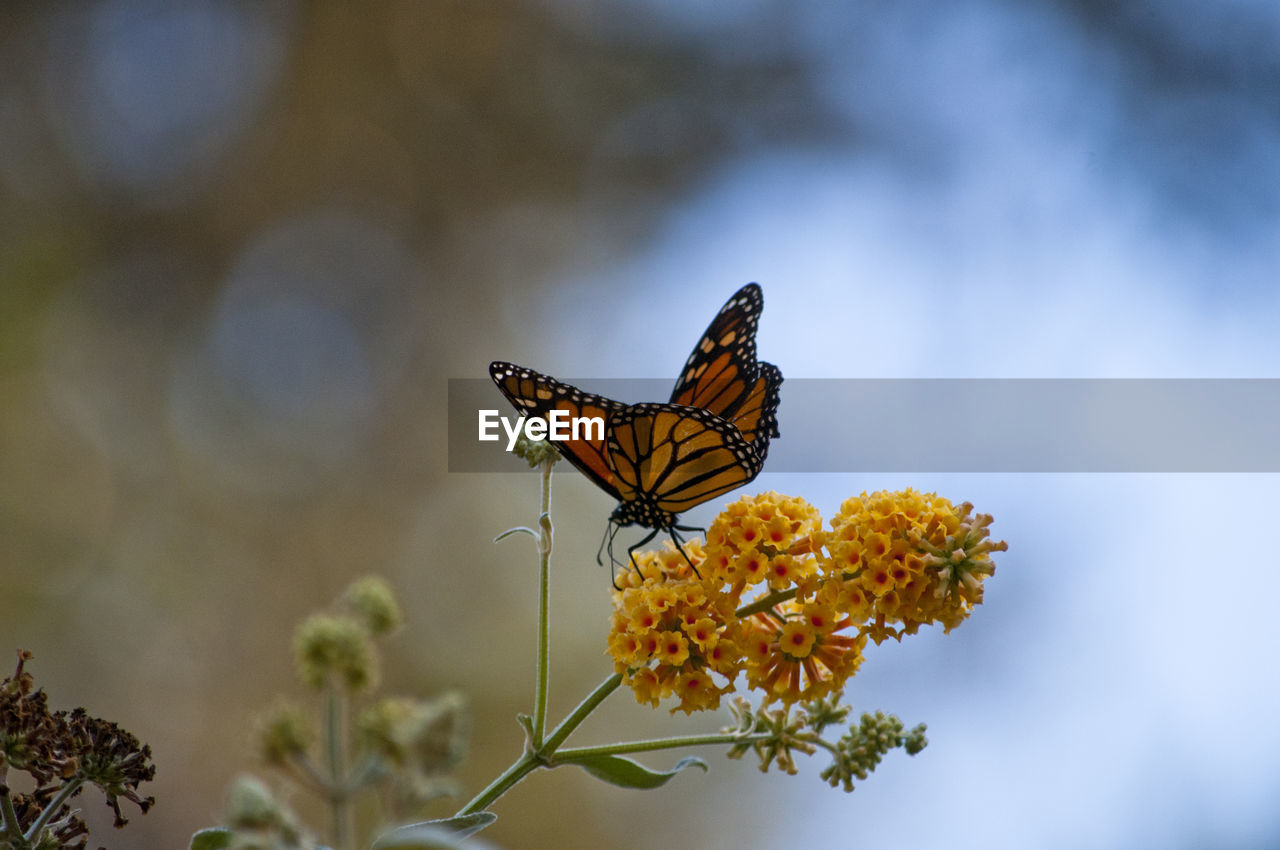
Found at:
<point>339,822</point>
<point>65,793</point>
<point>519,769</point>
<point>764,603</point>
<point>12,831</point>
<point>302,771</point>
<point>545,539</point>
<point>588,705</point>
<point>572,754</point>
<point>363,774</point>
<point>530,760</point>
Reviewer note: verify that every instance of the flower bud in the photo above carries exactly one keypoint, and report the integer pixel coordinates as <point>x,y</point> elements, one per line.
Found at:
<point>328,645</point>
<point>375,602</point>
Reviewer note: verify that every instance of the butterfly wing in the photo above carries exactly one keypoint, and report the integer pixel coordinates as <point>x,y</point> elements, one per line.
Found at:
<point>535,394</point>
<point>674,457</point>
<point>757,416</point>
<point>659,460</point>
<point>721,371</point>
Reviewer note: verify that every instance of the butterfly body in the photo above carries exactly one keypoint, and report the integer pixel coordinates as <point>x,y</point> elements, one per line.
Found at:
<point>659,459</point>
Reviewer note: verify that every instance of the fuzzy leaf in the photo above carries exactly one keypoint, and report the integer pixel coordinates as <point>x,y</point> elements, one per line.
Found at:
<point>523,529</point>
<point>216,838</point>
<point>442,834</point>
<point>631,774</point>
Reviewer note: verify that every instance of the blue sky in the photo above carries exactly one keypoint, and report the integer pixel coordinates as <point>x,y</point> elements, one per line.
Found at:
<point>1049,220</point>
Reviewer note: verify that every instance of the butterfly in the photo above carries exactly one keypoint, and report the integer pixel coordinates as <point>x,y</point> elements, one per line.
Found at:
<point>659,459</point>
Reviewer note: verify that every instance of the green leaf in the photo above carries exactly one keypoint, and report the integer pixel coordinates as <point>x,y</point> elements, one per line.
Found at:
<point>216,838</point>
<point>523,529</point>
<point>632,774</point>
<point>442,834</point>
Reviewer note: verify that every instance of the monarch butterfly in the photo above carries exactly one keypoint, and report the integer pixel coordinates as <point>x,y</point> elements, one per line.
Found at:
<point>660,459</point>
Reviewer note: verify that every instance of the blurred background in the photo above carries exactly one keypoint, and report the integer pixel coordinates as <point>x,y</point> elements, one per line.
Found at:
<point>243,246</point>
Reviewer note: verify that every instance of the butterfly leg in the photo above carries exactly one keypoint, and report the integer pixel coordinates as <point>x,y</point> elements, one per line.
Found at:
<point>679,541</point>
<point>632,549</point>
<point>606,543</point>
<point>609,530</point>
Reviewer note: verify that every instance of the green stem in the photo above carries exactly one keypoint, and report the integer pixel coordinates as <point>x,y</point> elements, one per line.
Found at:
<point>764,603</point>
<point>364,774</point>
<point>544,593</point>
<point>530,760</point>
<point>65,793</point>
<point>519,769</point>
<point>339,822</point>
<point>302,771</point>
<point>588,705</point>
<point>572,754</point>
<point>12,832</point>
<point>814,738</point>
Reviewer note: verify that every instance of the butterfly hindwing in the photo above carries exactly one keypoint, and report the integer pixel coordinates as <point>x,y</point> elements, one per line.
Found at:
<point>676,457</point>
<point>536,394</point>
<point>757,417</point>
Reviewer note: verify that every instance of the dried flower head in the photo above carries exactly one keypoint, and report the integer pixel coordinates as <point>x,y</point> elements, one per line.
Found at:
<point>62,751</point>
<point>112,759</point>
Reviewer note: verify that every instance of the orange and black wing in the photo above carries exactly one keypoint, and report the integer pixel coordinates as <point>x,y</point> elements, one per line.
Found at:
<point>676,457</point>
<point>535,394</point>
<point>721,373</point>
<point>757,416</point>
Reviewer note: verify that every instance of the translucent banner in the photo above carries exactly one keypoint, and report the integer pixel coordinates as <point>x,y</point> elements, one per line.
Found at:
<point>962,425</point>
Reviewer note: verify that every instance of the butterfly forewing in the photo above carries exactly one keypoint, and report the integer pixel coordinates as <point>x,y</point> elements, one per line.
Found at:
<point>536,394</point>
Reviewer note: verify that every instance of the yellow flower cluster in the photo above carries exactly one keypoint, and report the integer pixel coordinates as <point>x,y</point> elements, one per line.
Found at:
<point>791,604</point>
<point>909,559</point>
<point>752,542</point>
<point>673,632</point>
